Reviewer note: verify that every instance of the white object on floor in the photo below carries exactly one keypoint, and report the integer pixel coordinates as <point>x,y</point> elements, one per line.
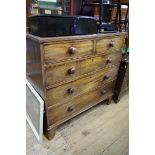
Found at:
<point>34,111</point>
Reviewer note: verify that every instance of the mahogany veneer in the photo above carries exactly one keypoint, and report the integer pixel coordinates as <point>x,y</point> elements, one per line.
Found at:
<point>72,73</point>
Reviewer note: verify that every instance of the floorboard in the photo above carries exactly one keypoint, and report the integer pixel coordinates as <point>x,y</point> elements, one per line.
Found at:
<point>102,130</point>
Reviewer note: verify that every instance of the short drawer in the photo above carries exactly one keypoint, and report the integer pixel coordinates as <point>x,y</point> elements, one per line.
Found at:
<point>61,51</point>
<point>62,112</point>
<point>77,69</point>
<point>70,90</point>
<point>108,45</point>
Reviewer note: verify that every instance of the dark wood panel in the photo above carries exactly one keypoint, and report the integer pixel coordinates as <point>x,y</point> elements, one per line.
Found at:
<point>27,8</point>
<point>34,66</point>
<point>122,82</point>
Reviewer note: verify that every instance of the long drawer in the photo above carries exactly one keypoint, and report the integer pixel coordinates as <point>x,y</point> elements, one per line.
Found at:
<point>62,112</point>
<point>109,45</point>
<point>70,90</point>
<point>70,71</point>
<point>62,51</point>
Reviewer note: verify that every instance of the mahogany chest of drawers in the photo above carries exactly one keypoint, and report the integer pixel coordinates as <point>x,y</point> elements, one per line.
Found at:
<point>72,73</point>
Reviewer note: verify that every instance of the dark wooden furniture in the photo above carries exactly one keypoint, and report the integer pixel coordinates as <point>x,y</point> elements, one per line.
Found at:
<point>119,21</point>
<point>27,12</point>
<point>122,82</point>
<point>92,8</point>
<point>72,73</point>
<point>101,9</point>
<point>27,8</point>
<point>111,15</point>
<point>71,7</point>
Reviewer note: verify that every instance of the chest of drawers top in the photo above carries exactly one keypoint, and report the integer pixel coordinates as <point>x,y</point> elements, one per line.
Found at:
<point>76,37</point>
<point>59,49</point>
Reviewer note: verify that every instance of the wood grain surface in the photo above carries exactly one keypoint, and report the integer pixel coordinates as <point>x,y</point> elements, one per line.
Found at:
<point>71,73</point>
<point>83,101</point>
<point>63,50</point>
<point>61,94</point>
<point>59,73</point>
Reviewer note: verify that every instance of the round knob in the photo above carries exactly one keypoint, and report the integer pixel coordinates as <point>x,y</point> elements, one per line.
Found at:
<point>112,43</point>
<point>103,92</point>
<point>109,60</point>
<point>70,109</point>
<point>106,77</point>
<point>71,71</point>
<point>70,90</point>
<point>72,50</point>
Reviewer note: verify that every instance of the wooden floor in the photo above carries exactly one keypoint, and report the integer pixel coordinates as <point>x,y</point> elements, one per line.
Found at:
<point>102,130</point>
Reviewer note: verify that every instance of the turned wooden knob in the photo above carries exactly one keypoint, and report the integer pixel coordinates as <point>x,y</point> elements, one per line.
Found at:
<point>103,92</point>
<point>112,43</point>
<point>70,90</point>
<point>71,71</point>
<point>70,109</point>
<point>72,50</point>
<point>109,60</point>
<point>106,77</point>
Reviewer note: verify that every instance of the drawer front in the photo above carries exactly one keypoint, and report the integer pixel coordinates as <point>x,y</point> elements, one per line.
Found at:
<point>60,113</point>
<point>109,45</point>
<point>69,91</point>
<point>72,71</point>
<point>57,51</point>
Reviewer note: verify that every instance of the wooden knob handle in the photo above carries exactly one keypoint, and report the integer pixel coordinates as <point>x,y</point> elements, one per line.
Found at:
<point>72,50</point>
<point>70,109</point>
<point>106,77</point>
<point>70,90</point>
<point>109,60</point>
<point>112,43</point>
<point>103,92</point>
<point>71,71</point>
